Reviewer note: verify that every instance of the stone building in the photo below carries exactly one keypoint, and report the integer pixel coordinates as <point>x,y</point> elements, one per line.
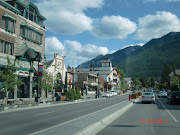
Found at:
<point>57,69</point>
<point>22,38</point>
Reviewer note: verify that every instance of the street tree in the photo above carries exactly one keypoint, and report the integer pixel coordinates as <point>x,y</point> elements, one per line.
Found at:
<point>174,83</point>
<point>45,82</point>
<point>9,79</point>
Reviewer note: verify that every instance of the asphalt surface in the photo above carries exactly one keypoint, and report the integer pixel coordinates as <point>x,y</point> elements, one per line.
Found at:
<point>34,120</point>
<point>131,122</point>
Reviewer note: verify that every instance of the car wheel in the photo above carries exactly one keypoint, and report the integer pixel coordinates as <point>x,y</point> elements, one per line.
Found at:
<point>158,96</point>
<point>142,102</point>
<point>154,102</point>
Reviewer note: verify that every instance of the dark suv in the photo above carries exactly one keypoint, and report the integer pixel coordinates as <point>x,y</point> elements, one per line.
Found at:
<point>174,97</point>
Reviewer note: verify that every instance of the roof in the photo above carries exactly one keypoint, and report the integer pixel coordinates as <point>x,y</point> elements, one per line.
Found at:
<point>105,60</point>
<point>5,4</point>
<point>49,63</point>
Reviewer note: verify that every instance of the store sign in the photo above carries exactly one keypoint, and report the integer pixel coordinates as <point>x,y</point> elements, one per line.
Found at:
<point>40,70</point>
<point>23,73</point>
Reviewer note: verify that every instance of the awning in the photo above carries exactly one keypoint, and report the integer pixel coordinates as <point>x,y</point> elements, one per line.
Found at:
<point>24,49</point>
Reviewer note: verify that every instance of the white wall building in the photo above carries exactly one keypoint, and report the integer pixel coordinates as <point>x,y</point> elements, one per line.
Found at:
<point>56,67</point>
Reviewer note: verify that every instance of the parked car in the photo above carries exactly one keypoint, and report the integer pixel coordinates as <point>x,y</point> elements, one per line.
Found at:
<point>174,97</point>
<point>149,90</point>
<point>114,93</point>
<point>148,97</point>
<point>162,94</point>
<point>108,94</point>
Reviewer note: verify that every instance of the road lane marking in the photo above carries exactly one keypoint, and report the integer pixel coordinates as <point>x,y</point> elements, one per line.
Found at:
<point>74,119</point>
<point>169,112</point>
<point>45,113</point>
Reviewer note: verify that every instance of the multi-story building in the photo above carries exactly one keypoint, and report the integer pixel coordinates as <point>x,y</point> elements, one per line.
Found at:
<point>22,38</point>
<point>107,75</point>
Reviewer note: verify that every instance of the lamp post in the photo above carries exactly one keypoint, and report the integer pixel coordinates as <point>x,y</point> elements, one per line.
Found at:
<point>97,91</point>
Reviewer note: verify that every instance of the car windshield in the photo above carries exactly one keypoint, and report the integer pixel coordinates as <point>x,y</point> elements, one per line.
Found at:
<point>148,93</point>
<point>162,91</point>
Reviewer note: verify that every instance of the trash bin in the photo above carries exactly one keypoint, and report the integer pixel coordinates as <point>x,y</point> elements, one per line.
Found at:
<point>37,99</point>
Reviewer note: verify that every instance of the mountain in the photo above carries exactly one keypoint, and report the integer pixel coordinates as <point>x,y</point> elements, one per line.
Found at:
<point>116,57</point>
<point>150,59</point>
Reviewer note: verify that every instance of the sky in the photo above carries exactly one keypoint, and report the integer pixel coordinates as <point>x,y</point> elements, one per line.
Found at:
<point>84,29</point>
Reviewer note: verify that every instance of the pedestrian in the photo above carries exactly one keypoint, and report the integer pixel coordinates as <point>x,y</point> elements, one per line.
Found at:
<point>59,96</point>
<point>82,93</point>
<point>53,94</point>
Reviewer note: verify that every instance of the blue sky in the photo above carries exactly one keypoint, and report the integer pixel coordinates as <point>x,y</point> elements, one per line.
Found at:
<point>83,29</point>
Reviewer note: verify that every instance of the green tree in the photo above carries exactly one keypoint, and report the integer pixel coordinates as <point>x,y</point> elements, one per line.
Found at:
<point>45,82</point>
<point>70,94</point>
<point>8,78</point>
<point>121,72</point>
<point>174,83</point>
<point>165,73</point>
<point>91,66</point>
<point>77,94</point>
<point>68,67</point>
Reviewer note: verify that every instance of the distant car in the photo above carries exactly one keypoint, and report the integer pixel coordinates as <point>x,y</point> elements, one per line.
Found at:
<point>148,97</point>
<point>108,94</point>
<point>149,90</point>
<point>162,94</point>
<point>114,93</point>
<point>169,92</point>
<point>174,97</point>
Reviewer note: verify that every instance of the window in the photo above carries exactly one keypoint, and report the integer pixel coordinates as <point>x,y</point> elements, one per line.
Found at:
<point>6,47</point>
<point>31,14</point>
<point>31,34</point>
<point>8,23</point>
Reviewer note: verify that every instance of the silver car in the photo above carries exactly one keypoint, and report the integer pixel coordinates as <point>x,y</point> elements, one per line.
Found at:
<point>107,94</point>
<point>148,97</point>
<point>162,94</point>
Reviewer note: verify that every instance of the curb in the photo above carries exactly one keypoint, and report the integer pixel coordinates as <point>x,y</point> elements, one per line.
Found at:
<point>98,126</point>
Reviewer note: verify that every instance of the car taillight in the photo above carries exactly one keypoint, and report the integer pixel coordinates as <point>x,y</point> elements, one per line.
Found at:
<point>142,96</point>
<point>152,97</point>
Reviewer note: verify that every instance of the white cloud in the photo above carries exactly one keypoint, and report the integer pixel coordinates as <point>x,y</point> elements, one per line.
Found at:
<point>155,26</point>
<point>140,44</point>
<point>84,52</point>
<point>67,16</point>
<point>53,45</point>
<point>112,51</point>
<point>116,27</point>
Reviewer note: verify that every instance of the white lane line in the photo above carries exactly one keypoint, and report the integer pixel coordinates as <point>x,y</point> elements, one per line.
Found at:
<point>74,119</point>
<point>45,113</point>
<point>169,112</point>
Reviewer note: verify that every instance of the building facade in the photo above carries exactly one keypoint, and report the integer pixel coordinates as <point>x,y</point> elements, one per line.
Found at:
<point>57,69</point>
<point>22,38</point>
<point>108,77</point>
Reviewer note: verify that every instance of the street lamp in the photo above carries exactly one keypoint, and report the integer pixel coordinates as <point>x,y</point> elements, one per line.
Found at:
<point>97,91</point>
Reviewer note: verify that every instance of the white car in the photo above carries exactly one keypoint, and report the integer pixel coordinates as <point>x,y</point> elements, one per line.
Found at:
<point>148,97</point>
<point>162,94</point>
<point>114,93</point>
<point>108,94</point>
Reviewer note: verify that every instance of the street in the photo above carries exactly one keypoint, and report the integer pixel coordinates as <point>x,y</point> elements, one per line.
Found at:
<point>40,119</point>
<point>130,122</point>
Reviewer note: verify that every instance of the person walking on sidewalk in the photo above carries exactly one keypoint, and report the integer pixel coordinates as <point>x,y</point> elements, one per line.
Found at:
<point>53,94</point>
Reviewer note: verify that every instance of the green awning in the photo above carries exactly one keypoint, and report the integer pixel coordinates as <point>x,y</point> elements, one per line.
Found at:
<point>9,16</point>
<point>25,49</point>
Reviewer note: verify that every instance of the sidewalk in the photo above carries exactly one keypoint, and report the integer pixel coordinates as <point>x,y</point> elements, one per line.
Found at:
<point>34,105</point>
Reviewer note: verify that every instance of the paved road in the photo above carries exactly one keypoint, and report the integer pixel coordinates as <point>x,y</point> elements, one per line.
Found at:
<point>30,121</point>
<point>130,122</point>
